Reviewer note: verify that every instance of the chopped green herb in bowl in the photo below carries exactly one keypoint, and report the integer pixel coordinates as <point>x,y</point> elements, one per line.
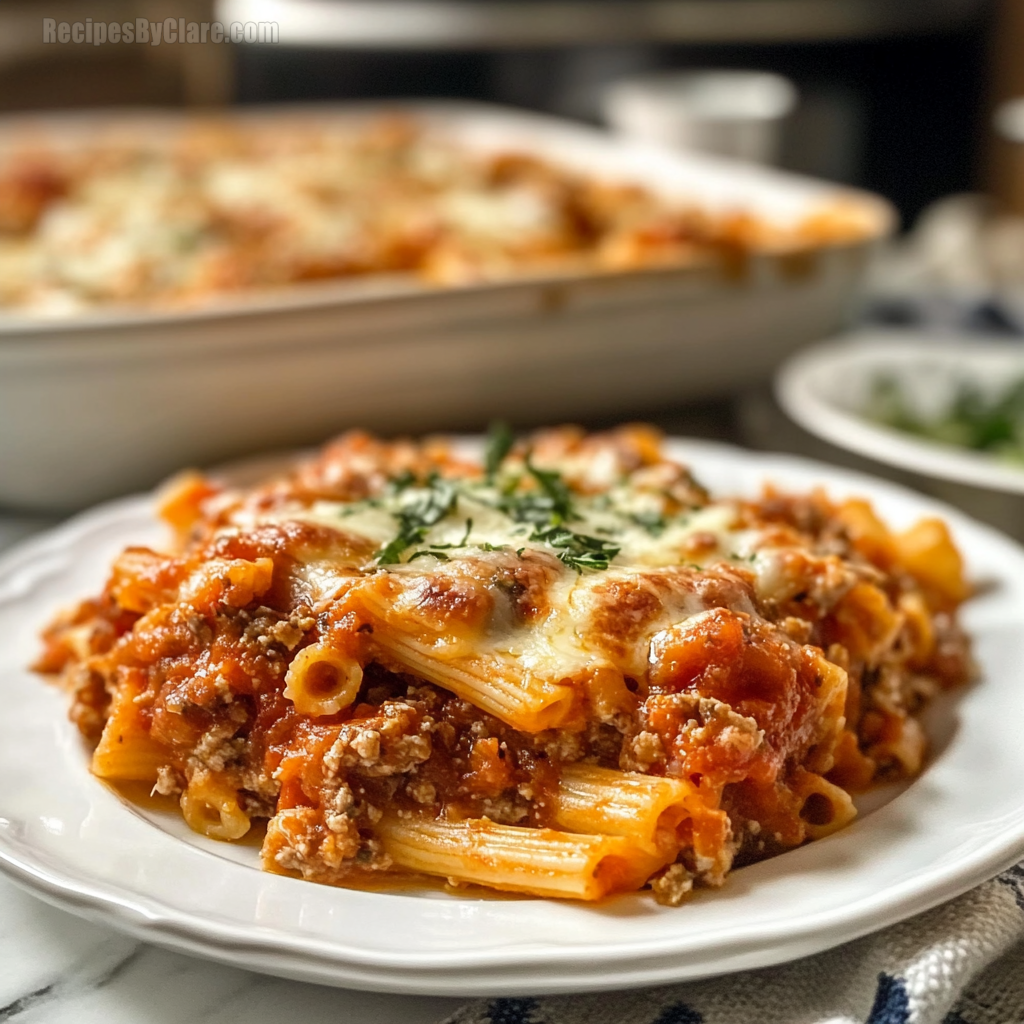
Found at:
<point>975,419</point>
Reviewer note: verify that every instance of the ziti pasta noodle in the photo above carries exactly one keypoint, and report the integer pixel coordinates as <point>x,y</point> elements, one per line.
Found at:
<point>565,670</point>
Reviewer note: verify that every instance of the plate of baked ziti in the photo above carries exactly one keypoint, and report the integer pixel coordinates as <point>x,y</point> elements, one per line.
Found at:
<point>507,715</point>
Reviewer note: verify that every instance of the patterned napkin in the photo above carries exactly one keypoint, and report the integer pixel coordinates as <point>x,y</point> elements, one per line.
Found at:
<point>961,963</point>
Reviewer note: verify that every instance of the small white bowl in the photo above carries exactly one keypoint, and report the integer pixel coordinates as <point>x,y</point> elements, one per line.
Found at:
<point>826,389</point>
<point>737,114</point>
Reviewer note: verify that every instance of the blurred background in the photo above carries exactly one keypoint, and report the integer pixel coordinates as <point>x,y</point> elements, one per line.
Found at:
<point>909,99</point>
<point>893,97</point>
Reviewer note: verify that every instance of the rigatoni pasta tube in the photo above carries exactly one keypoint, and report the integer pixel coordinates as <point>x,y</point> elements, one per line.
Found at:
<point>230,581</point>
<point>602,801</point>
<point>540,861</point>
<point>824,807</point>
<point>210,806</point>
<point>322,681</point>
<point>140,579</point>
<point>126,750</point>
<point>494,684</point>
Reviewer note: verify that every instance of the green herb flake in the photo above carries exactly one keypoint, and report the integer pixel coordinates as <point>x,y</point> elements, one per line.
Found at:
<point>391,553</point>
<point>547,504</point>
<point>499,443</point>
<point>425,552</point>
<point>402,482</point>
<point>555,489</point>
<point>438,550</point>
<point>653,522</point>
<point>415,517</point>
<point>577,550</point>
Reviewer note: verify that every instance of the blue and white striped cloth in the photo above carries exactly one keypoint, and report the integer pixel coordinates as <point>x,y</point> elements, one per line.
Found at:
<point>961,963</point>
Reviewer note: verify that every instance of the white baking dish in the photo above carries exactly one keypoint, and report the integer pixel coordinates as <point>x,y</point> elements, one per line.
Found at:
<point>109,400</point>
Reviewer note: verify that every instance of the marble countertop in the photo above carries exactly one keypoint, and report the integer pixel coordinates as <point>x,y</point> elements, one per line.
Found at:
<point>59,969</point>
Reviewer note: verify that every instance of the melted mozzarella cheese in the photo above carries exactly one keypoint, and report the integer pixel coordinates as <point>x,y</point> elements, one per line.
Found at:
<point>585,610</point>
<point>474,522</point>
<point>554,650</point>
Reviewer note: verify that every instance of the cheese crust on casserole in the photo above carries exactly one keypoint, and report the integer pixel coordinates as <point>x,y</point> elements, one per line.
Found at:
<point>220,207</point>
<point>565,671</point>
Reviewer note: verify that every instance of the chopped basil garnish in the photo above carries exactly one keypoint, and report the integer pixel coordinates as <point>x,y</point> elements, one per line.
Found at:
<point>499,443</point>
<point>424,552</point>
<point>547,507</point>
<point>416,517</point>
<point>438,550</point>
<point>549,504</point>
<point>577,550</point>
<point>555,489</point>
<point>653,522</point>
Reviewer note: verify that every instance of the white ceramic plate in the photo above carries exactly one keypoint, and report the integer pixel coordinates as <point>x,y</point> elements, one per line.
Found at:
<point>826,388</point>
<point>76,843</point>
